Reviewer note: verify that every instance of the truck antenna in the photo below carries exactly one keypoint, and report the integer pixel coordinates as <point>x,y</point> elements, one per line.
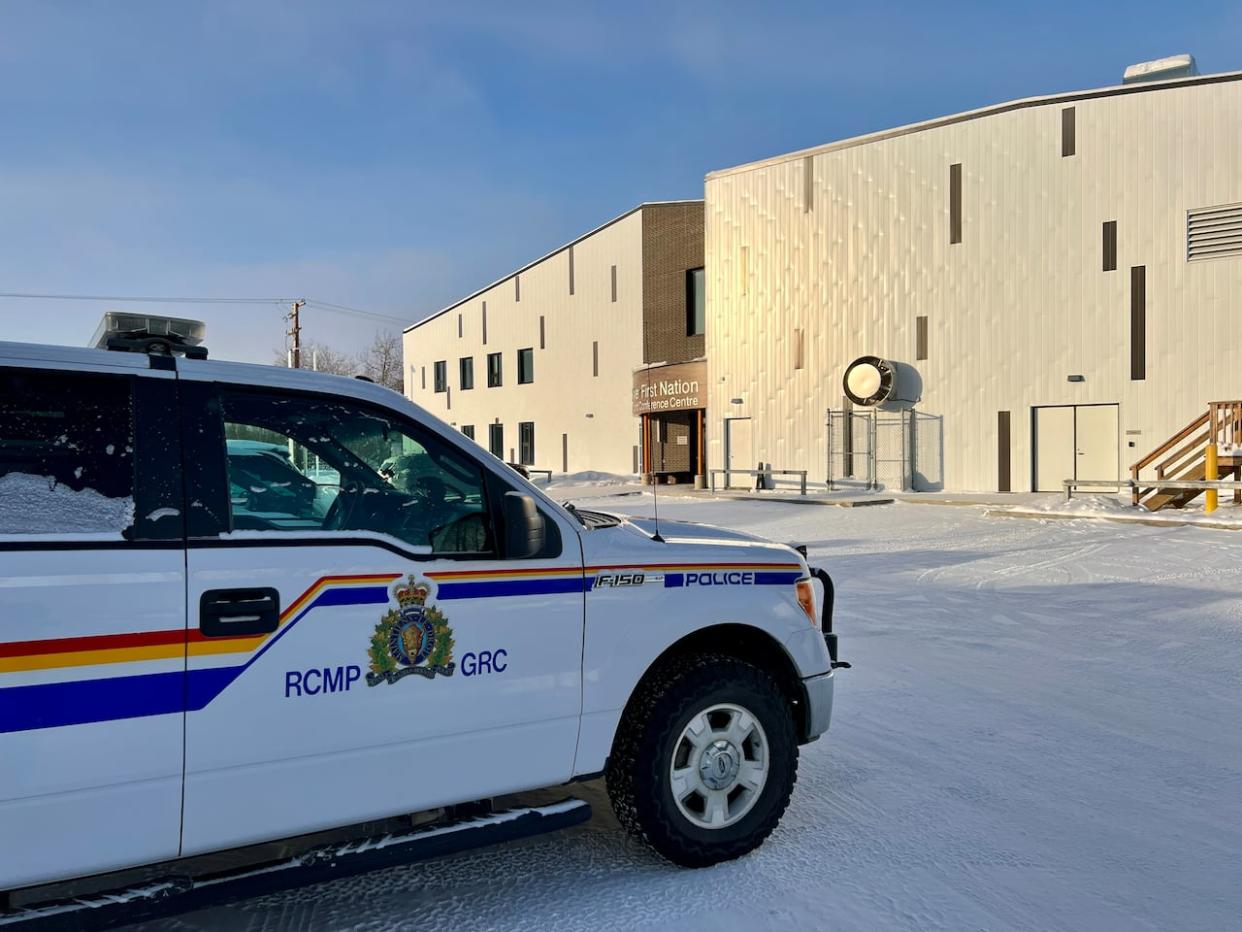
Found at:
<point>649,446</point>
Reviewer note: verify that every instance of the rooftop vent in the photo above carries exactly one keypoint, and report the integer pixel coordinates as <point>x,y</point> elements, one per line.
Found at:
<point>1162,69</point>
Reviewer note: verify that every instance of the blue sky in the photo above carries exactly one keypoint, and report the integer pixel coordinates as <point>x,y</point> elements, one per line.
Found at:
<point>394,156</point>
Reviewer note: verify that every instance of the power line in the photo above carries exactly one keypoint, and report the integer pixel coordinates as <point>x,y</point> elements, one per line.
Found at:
<point>182,299</point>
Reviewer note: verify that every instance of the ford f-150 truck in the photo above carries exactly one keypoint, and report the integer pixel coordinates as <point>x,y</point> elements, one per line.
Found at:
<point>242,603</point>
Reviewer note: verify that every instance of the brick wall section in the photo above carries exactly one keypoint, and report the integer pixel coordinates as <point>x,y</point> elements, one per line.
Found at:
<point>672,244</point>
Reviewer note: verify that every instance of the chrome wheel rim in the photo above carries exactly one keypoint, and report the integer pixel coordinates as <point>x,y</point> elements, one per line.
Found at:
<point>720,766</point>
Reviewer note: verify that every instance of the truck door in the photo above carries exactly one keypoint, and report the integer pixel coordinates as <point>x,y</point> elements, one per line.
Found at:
<point>92,620</point>
<point>368,648</point>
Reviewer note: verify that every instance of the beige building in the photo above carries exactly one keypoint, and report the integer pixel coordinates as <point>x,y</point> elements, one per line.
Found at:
<point>540,366</point>
<point>1055,284</point>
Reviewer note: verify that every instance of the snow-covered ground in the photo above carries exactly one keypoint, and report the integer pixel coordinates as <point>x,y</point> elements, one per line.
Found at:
<point>1042,730</point>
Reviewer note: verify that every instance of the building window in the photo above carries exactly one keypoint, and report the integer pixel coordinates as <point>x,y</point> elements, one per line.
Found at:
<point>459,327</point>
<point>696,305</point>
<point>1110,246</point>
<point>595,359</point>
<point>526,443</point>
<point>799,349</point>
<point>1138,323</point>
<point>920,338</point>
<point>496,439</point>
<point>485,323</point>
<point>955,202</point>
<point>808,184</point>
<point>542,336</point>
<point>441,377</point>
<point>1067,132</point>
<point>494,370</point>
<point>517,289</point>
<point>465,368</point>
<point>614,284</point>
<point>468,430</point>
<point>571,269</point>
<point>526,366</point>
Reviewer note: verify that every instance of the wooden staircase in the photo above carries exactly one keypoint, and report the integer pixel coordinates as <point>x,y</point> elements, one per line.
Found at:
<point>1183,457</point>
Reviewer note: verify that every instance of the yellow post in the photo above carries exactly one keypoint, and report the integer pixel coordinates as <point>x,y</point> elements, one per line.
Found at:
<point>1211,471</point>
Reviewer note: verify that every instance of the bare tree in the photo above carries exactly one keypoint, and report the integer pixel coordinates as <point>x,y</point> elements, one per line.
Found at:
<point>323,358</point>
<point>381,361</point>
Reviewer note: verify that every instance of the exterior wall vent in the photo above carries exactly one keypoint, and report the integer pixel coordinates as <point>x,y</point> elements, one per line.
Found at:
<point>1213,232</point>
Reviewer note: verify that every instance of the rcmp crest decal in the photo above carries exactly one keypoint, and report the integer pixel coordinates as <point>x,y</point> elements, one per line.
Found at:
<point>412,639</point>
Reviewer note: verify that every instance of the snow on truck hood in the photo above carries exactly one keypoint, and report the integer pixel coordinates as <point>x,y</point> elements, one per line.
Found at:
<point>690,531</point>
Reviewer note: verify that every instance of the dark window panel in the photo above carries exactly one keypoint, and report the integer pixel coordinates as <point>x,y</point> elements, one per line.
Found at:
<point>542,333</point>
<point>571,269</point>
<point>1138,323</point>
<point>526,443</point>
<point>955,202</point>
<point>517,288</point>
<point>495,370</point>
<point>696,319</point>
<point>595,358</point>
<point>485,323</point>
<point>1110,246</point>
<point>441,375</point>
<point>920,338</point>
<point>465,372</point>
<point>1003,479</point>
<point>614,284</point>
<point>526,366</point>
<point>1067,132</point>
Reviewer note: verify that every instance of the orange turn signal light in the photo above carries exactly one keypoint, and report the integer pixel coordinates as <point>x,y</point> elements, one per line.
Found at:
<point>806,598</point>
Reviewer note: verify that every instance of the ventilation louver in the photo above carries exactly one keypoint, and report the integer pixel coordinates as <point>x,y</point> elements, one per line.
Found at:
<point>1212,232</point>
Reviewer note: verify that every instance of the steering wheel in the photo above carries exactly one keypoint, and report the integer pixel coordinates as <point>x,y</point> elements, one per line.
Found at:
<point>343,506</point>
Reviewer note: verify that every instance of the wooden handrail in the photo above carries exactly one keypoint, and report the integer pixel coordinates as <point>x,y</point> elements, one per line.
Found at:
<point>1223,422</point>
<point>1181,435</point>
<point>1191,447</point>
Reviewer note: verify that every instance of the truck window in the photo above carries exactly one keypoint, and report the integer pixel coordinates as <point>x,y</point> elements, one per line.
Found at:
<point>301,463</point>
<point>66,453</point>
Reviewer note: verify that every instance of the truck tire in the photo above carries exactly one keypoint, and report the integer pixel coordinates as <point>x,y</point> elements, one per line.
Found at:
<point>704,761</point>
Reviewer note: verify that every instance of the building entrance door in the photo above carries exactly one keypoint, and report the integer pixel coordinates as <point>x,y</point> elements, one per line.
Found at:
<point>739,445</point>
<point>1073,442</point>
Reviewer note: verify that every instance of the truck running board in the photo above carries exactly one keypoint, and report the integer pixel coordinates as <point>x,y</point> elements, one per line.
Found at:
<point>180,894</point>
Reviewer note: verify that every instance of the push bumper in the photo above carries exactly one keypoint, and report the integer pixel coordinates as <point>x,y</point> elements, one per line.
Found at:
<point>818,693</point>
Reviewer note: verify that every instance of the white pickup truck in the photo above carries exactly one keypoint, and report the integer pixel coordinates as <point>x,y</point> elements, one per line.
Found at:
<point>243,603</point>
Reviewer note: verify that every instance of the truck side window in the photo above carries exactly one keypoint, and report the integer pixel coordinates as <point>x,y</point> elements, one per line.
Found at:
<point>301,463</point>
<point>66,453</point>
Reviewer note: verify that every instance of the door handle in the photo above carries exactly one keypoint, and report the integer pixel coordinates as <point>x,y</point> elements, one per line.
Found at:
<point>236,612</point>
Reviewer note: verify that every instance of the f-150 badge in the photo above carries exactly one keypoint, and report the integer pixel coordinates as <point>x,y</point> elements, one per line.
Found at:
<point>413,638</point>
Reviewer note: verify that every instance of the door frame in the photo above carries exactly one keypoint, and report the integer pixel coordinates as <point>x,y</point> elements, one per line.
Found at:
<point>1033,434</point>
<point>728,439</point>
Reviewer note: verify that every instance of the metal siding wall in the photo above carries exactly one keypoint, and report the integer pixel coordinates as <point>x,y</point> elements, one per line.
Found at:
<point>1014,308</point>
<point>564,390</point>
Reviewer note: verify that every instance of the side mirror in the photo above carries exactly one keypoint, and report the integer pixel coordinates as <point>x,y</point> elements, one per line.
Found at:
<point>524,526</point>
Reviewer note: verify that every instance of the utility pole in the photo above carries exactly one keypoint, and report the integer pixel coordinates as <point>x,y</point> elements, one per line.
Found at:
<point>295,332</point>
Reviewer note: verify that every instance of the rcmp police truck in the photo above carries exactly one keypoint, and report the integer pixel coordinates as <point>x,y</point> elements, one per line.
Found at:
<point>242,604</point>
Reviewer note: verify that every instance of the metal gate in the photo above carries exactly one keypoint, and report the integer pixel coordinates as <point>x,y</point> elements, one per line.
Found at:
<point>869,449</point>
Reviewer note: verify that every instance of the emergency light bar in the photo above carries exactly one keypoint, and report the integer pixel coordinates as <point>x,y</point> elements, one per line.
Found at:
<point>147,333</point>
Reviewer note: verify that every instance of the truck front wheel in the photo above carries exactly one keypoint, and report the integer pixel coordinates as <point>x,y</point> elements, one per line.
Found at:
<point>704,761</point>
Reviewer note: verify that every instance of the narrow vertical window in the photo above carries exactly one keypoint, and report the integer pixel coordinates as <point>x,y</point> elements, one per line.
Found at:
<point>564,452</point>
<point>1067,132</point>
<point>517,288</point>
<point>808,184</point>
<point>955,202</point>
<point>441,378</point>
<point>526,366</point>
<point>542,341</point>
<point>1003,483</point>
<point>595,358</point>
<point>526,443</point>
<point>614,284</point>
<point>494,370</point>
<point>459,327</point>
<point>448,399</point>
<point>1138,323</point>
<point>496,439</point>
<point>920,338</point>
<point>424,377</point>
<point>485,323</point>
<point>571,269</point>
<point>799,343</point>
<point>465,373</point>
<point>1110,246</point>
<point>695,303</point>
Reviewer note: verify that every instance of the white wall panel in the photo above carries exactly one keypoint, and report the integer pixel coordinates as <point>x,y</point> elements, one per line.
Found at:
<point>1020,304</point>
<point>564,391</point>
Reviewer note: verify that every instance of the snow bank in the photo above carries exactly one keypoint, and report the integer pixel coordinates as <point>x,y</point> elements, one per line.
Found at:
<point>1113,508</point>
<point>590,477</point>
<point>41,505</point>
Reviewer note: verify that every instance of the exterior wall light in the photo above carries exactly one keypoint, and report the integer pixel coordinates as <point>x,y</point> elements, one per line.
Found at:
<point>1076,378</point>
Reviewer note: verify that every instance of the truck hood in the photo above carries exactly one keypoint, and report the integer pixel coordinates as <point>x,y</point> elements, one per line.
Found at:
<point>689,530</point>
